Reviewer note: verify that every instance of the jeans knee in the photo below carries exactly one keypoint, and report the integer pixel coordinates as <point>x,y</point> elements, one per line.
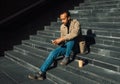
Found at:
<point>70,43</point>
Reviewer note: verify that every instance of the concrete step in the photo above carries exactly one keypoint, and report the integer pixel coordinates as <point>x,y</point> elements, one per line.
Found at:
<point>102,37</point>
<point>42,39</point>
<point>99,3</point>
<point>54,34</point>
<point>83,27</point>
<point>99,40</point>
<point>100,49</point>
<point>66,76</point>
<point>96,12</point>
<point>117,49</point>
<point>71,77</point>
<point>107,41</point>
<point>106,25</point>
<point>15,73</point>
<point>107,33</point>
<point>103,50</point>
<point>89,1</point>
<point>91,11</point>
<point>93,24</point>
<point>99,6</point>
<point>101,61</point>
<point>30,62</point>
<point>40,45</point>
<point>99,14</point>
<point>101,75</point>
<point>112,14</point>
<point>97,19</point>
<point>87,73</point>
<point>26,56</point>
<point>30,49</point>
<point>98,32</point>
<point>4,79</point>
<point>27,49</point>
<point>110,29</point>
<point>94,18</point>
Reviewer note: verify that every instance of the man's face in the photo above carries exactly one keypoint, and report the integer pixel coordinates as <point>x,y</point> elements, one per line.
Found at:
<point>64,18</point>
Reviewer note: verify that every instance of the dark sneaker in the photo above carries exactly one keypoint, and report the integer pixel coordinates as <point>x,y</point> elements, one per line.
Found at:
<point>64,61</point>
<point>37,76</point>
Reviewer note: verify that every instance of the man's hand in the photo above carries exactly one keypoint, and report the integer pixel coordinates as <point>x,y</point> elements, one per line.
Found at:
<point>58,40</point>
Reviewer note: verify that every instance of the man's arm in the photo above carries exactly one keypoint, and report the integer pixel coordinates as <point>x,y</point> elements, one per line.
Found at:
<point>74,32</point>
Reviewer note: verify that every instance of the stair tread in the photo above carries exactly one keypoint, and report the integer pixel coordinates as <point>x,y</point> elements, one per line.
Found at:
<point>95,49</point>
<point>27,49</point>
<point>49,47</point>
<point>42,38</point>
<point>97,71</point>
<point>105,10</point>
<point>97,57</point>
<point>110,48</point>
<point>40,45</point>
<point>91,23</point>
<point>105,59</point>
<point>36,61</point>
<point>44,46</point>
<point>100,4</point>
<point>107,25</point>
<point>17,73</point>
<point>6,79</point>
<point>51,28</point>
<point>87,1</point>
<point>70,77</point>
<point>33,61</point>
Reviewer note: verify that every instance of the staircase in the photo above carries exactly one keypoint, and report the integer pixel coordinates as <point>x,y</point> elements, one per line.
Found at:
<point>100,23</point>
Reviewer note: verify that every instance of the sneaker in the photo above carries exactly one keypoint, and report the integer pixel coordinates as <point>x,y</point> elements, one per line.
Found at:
<point>37,76</point>
<point>64,61</point>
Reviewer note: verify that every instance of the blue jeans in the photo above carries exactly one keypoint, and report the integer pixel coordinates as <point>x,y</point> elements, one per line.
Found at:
<point>59,51</point>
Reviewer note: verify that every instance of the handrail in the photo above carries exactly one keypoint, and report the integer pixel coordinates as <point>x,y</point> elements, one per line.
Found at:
<point>22,11</point>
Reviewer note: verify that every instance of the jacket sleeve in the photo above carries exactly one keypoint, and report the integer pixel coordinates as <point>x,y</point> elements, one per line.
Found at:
<point>62,30</point>
<point>74,32</point>
<point>61,34</point>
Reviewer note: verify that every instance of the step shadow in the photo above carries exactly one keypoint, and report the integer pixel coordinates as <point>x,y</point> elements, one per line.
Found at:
<point>89,39</point>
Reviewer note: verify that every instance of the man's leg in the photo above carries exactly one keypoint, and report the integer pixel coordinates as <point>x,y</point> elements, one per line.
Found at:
<point>69,46</point>
<point>50,59</point>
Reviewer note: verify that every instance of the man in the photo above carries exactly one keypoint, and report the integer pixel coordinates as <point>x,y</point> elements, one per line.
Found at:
<point>70,30</point>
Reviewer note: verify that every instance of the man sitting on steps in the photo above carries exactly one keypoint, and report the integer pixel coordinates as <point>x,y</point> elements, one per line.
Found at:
<point>70,31</point>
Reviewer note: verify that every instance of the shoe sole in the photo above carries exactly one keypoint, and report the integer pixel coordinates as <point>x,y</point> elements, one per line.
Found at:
<point>63,64</point>
<point>34,78</point>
